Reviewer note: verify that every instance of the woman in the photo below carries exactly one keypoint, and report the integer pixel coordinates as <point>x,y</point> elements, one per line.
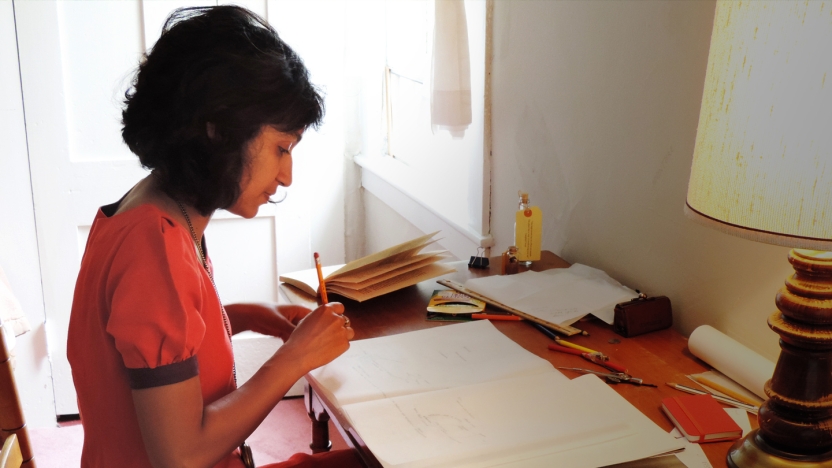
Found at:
<point>215,111</point>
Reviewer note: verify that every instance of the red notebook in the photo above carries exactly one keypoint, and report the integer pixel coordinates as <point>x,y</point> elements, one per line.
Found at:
<point>700,418</point>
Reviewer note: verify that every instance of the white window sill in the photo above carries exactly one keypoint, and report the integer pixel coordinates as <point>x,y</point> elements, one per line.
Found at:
<point>393,183</point>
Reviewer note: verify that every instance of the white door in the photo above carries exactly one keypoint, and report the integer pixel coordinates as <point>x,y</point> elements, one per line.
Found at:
<point>76,59</point>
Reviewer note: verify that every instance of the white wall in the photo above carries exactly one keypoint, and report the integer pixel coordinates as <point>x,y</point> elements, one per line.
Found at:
<point>18,242</point>
<point>595,108</point>
<point>384,227</point>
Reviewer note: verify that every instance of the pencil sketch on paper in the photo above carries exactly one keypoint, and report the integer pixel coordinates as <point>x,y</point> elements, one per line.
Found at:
<point>457,428</point>
<point>466,396</point>
<point>431,359</point>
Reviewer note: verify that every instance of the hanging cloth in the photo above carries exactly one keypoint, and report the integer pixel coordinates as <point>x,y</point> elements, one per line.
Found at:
<point>450,94</point>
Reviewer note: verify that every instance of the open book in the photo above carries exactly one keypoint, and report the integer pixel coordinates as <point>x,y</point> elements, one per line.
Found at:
<point>466,395</point>
<point>377,274</point>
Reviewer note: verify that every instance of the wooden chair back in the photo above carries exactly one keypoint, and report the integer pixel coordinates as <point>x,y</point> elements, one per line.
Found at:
<point>12,421</point>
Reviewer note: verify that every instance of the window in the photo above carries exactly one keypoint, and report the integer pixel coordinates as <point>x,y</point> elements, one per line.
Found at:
<point>433,179</point>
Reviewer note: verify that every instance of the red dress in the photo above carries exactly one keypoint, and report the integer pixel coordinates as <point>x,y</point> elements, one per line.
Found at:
<point>145,314</point>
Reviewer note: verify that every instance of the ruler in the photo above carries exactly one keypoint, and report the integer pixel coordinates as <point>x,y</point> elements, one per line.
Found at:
<point>563,329</point>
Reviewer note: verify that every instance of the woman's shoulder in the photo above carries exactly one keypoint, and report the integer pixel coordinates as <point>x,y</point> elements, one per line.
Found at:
<point>144,225</point>
<point>144,216</point>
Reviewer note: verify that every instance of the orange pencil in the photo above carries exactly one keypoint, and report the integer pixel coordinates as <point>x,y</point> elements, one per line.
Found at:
<point>496,317</point>
<point>321,278</point>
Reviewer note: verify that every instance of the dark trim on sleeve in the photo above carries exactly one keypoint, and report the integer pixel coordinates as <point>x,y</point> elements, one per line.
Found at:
<point>163,375</point>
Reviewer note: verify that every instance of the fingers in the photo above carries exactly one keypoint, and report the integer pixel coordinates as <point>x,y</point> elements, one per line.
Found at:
<point>338,309</point>
<point>293,313</point>
<point>334,307</point>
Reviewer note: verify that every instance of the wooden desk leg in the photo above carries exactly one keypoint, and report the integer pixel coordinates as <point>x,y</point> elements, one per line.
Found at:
<point>320,421</point>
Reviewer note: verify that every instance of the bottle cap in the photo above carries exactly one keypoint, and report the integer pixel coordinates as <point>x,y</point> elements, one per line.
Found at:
<point>524,197</point>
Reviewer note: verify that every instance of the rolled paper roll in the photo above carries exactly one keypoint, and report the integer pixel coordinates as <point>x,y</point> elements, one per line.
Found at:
<point>728,356</point>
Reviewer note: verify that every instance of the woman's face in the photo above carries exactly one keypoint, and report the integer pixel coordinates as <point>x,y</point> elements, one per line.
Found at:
<point>269,166</point>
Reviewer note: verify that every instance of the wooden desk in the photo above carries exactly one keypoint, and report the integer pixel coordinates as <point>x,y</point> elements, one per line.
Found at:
<point>657,357</point>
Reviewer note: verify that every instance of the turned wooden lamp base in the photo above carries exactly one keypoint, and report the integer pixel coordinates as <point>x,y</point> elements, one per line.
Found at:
<point>752,450</point>
<point>796,420</point>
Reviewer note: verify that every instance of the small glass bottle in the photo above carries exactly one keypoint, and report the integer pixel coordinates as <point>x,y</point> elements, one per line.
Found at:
<point>522,206</point>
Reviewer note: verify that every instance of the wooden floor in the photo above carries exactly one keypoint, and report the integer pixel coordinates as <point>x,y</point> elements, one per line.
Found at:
<point>285,431</point>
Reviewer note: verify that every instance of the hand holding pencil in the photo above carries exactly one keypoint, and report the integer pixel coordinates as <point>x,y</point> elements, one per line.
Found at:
<point>321,283</point>
<point>322,287</point>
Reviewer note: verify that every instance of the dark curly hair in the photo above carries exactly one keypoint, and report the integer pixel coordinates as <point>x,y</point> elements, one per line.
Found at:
<point>222,66</point>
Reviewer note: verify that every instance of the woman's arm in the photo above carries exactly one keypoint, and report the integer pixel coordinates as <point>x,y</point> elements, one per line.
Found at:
<point>179,431</point>
<point>268,319</point>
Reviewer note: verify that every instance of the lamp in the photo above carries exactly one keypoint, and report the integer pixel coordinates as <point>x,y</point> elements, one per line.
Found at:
<point>762,169</point>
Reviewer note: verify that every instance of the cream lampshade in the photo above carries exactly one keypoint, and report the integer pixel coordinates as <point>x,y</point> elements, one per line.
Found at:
<point>762,170</point>
<point>762,165</point>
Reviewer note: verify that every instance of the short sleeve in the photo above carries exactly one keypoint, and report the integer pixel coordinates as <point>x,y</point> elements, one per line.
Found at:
<point>155,294</point>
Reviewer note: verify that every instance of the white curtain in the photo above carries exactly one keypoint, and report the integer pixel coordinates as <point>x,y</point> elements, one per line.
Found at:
<point>450,103</point>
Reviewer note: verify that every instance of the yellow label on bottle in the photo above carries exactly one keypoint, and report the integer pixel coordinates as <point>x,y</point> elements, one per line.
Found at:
<point>527,233</point>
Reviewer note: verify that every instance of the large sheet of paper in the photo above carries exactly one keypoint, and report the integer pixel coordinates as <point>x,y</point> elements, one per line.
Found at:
<point>466,396</point>
<point>646,440</point>
<point>559,295</point>
<point>425,360</point>
<point>484,425</point>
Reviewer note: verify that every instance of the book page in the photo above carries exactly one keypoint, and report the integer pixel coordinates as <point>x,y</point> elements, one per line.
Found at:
<point>424,360</point>
<point>307,280</point>
<point>385,271</point>
<point>483,424</point>
<point>559,295</point>
<point>392,284</point>
<point>379,266</point>
<point>364,261</point>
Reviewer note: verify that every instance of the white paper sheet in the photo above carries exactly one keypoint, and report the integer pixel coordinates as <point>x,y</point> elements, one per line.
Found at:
<point>485,424</point>
<point>740,416</point>
<point>728,356</point>
<point>647,440</point>
<point>693,456</point>
<point>559,295</point>
<point>466,396</point>
<point>441,357</point>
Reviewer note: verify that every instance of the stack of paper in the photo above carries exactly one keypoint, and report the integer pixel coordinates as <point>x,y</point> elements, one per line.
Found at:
<point>559,295</point>
<point>377,274</point>
<point>467,396</point>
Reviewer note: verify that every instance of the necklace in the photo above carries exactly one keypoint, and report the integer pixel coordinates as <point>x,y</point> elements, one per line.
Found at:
<point>245,450</point>
<point>204,261</point>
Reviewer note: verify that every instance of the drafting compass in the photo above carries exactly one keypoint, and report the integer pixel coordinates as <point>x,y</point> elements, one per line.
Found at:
<point>612,377</point>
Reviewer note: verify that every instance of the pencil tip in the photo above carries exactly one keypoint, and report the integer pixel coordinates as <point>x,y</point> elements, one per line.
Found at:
<point>671,384</point>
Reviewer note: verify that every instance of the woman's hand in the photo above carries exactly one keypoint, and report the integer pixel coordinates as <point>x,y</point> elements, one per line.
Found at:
<point>268,319</point>
<point>320,336</point>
